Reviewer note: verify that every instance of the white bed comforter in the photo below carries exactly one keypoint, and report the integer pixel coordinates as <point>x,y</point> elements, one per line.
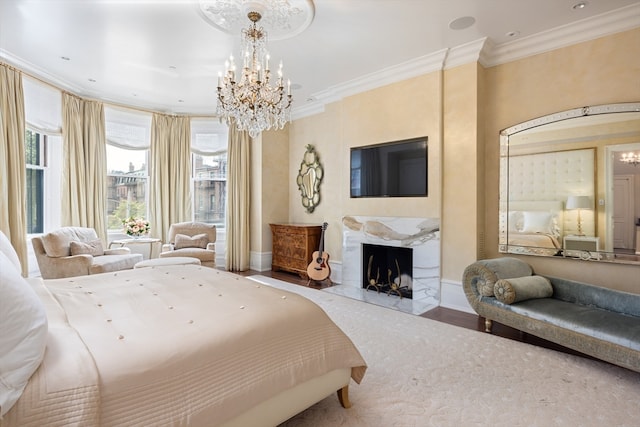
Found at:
<point>176,345</point>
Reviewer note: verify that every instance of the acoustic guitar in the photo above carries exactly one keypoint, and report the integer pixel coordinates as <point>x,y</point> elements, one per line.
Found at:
<point>319,269</point>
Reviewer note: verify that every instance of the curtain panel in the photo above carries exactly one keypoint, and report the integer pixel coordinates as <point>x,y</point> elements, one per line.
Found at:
<point>169,173</point>
<point>84,187</point>
<point>238,243</point>
<point>12,162</point>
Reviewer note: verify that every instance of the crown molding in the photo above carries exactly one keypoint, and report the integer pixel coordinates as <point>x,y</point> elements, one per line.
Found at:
<point>616,21</point>
<point>38,73</point>
<point>466,53</point>
<point>484,51</point>
<point>403,71</point>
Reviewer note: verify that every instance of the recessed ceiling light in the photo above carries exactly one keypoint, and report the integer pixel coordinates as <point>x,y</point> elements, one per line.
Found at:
<point>180,100</point>
<point>462,23</point>
<point>172,67</point>
<point>579,6</point>
<point>65,58</point>
<point>92,80</point>
<point>512,34</point>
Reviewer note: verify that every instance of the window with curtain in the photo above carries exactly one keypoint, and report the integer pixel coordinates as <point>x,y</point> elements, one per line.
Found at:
<point>43,155</point>
<point>209,170</point>
<point>128,139</point>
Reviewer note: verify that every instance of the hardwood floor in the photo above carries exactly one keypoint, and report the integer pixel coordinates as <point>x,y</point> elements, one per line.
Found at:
<point>440,314</point>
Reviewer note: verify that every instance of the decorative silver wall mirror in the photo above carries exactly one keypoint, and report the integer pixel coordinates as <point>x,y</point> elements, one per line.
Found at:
<point>309,179</point>
<point>570,185</point>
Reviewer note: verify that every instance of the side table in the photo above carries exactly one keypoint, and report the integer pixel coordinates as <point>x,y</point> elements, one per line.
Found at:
<point>149,247</point>
<point>293,247</point>
<point>584,247</point>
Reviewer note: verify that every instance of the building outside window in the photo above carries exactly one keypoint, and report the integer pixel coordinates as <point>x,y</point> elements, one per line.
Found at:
<point>209,171</point>
<point>209,188</point>
<point>127,179</point>
<point>128,135</point>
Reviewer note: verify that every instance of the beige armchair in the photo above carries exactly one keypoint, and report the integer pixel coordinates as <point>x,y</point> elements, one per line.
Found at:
<point>77,251</point>
<point>192,239</point>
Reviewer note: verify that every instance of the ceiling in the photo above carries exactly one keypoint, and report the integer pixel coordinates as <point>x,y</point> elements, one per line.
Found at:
<point>162,55</point>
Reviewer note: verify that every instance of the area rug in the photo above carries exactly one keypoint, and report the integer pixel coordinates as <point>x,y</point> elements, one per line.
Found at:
<point>426,373</point>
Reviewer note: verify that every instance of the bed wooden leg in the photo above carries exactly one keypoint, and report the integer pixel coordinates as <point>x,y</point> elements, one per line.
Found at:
<point>343,397</point>
<point>487,325</point>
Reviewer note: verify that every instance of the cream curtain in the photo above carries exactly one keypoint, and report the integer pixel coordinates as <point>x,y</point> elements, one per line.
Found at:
<point>169,173</point>
<point>12,163</point>
<point>84,173</point>
<point>238,243</point>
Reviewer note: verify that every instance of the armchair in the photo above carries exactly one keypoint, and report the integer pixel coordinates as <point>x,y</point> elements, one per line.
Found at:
<point>191,239</point>
<point>77,251</point>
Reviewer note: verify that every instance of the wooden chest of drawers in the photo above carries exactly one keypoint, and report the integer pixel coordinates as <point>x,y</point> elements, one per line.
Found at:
<point>293,246</point>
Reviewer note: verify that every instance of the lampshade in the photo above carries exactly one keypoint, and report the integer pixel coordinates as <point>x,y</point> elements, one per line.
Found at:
<point>578,202</point>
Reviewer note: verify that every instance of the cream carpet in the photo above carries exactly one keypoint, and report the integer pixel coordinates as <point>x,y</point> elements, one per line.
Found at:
<point>427,373</point>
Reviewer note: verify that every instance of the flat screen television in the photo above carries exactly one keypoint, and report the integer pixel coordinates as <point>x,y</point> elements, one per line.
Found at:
<point>391,169</point>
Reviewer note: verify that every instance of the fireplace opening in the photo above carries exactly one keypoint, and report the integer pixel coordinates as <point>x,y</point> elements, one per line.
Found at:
<point>387,269</point>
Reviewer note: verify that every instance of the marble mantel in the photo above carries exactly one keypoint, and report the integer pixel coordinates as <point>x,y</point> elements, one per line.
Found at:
<point>420,234</point>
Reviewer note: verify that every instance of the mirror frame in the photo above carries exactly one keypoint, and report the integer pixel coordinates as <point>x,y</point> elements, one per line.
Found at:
<point>309,178</point>
<point>503,208</point>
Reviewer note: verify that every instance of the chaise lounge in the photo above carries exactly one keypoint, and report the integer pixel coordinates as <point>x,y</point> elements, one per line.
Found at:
<point>599,322</point>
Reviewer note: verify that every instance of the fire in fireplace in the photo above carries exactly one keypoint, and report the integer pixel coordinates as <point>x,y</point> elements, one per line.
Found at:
<point>387,269</point>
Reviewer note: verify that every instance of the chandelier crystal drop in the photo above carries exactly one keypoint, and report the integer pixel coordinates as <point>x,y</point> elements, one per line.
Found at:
<point>248,98</point>
<point>630,158</point>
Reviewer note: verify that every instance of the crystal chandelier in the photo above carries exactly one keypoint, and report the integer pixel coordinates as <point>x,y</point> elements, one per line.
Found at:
<point>630,158</point>
<point>248,97</point>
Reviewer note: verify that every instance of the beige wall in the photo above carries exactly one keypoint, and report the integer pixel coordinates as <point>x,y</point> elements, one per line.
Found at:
<point>601,71</point>
<point>399,111</point>
<point>462,195</point>
<point>270,173</point>
<point>462,110</point>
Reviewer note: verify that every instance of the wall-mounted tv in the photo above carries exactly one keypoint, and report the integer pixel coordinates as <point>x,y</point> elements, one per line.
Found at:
<point>391,169</point>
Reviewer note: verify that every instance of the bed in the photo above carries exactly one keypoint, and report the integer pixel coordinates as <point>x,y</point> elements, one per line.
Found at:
<point>532,226</point>
<point>179,345</point>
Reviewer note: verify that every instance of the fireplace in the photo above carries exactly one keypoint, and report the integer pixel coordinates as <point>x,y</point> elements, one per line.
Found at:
<point>420,236</point>
<point>387,269</point>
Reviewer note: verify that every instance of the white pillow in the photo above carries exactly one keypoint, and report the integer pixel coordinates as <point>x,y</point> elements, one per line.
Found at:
<point>7,248</point>
<point>537,222</point>
<point>197,241</point>
<point>511,221</point>
<point>23,322</point>
<point>516,220</point>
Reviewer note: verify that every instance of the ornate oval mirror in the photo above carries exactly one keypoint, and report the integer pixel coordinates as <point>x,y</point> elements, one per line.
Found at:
<point>309,179</point>
<point>570,185</point>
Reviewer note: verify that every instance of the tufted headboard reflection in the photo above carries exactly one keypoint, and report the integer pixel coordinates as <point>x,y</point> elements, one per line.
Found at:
<point>550,178</point>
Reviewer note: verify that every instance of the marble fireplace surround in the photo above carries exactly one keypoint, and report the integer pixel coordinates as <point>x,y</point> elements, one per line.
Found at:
<point>420,234</point>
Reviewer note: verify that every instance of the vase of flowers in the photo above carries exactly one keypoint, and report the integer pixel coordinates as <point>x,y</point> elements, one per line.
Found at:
<point>136,227</point>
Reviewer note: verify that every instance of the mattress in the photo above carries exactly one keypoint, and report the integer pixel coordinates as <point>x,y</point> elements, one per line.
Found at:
<point>537,240</point>
<point>176,345</point>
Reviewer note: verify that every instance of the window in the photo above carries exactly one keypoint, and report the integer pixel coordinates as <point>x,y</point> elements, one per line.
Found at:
<point>126,185</point>
<point>43,161</point>
<point>209,170</point>
<point>35,159</point>
<point>209,188</point>
<point>43,156</point>
<point>128,138</point>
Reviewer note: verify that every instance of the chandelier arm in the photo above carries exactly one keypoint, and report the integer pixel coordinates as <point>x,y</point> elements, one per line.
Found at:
<point>251,101</point>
